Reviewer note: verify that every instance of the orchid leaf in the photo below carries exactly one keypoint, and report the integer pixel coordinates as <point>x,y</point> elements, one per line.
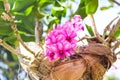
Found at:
<point>91,6</point>
<point>90,30</point>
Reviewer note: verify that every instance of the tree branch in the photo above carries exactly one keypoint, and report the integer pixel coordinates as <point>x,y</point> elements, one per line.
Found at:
<point>11,49</point>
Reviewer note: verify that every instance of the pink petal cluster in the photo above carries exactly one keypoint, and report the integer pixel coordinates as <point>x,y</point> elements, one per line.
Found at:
<point>60,42</point>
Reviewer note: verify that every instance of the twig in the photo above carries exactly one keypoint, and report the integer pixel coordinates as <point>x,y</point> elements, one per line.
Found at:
<point>95,29</point>
<point>11,49</point>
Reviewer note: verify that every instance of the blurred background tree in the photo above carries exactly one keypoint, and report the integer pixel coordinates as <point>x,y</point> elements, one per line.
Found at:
<point>27,14</point>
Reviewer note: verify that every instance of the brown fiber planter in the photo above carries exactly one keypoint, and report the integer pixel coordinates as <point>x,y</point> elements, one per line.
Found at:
<point>89,63</point>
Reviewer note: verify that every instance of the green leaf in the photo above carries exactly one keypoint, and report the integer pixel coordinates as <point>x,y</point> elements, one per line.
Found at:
<point>91,6</point>
<point>21,32</point>
<point>15,58</point>
<point>89,29</point>
<point>11,39</point>
<point>1,7</point>
<point>106,7</point>
<point>58,11</point>
<point>4,30</point>
<point>28,38</point>
<point>10,56</point>
<point>25,12</point>
<point>4,27</point>
<point>39,14</point>
<point>52,20</point>
<point>117,33</point>
<point>64,12</point>
<point>19,13</point>
<point>27,23</point>
<point>81,9</point>
<point>21,5</point>
<point>28,10</point>
<point>44,3</point>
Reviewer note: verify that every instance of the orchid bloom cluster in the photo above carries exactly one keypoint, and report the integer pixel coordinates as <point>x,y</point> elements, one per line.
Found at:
<point>60,42</point>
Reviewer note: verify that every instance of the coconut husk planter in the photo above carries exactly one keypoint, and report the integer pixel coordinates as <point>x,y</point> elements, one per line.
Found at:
<point>90,62</point>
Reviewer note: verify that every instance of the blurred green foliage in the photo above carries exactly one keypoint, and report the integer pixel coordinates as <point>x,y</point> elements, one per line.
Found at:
<point>110,78</point>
